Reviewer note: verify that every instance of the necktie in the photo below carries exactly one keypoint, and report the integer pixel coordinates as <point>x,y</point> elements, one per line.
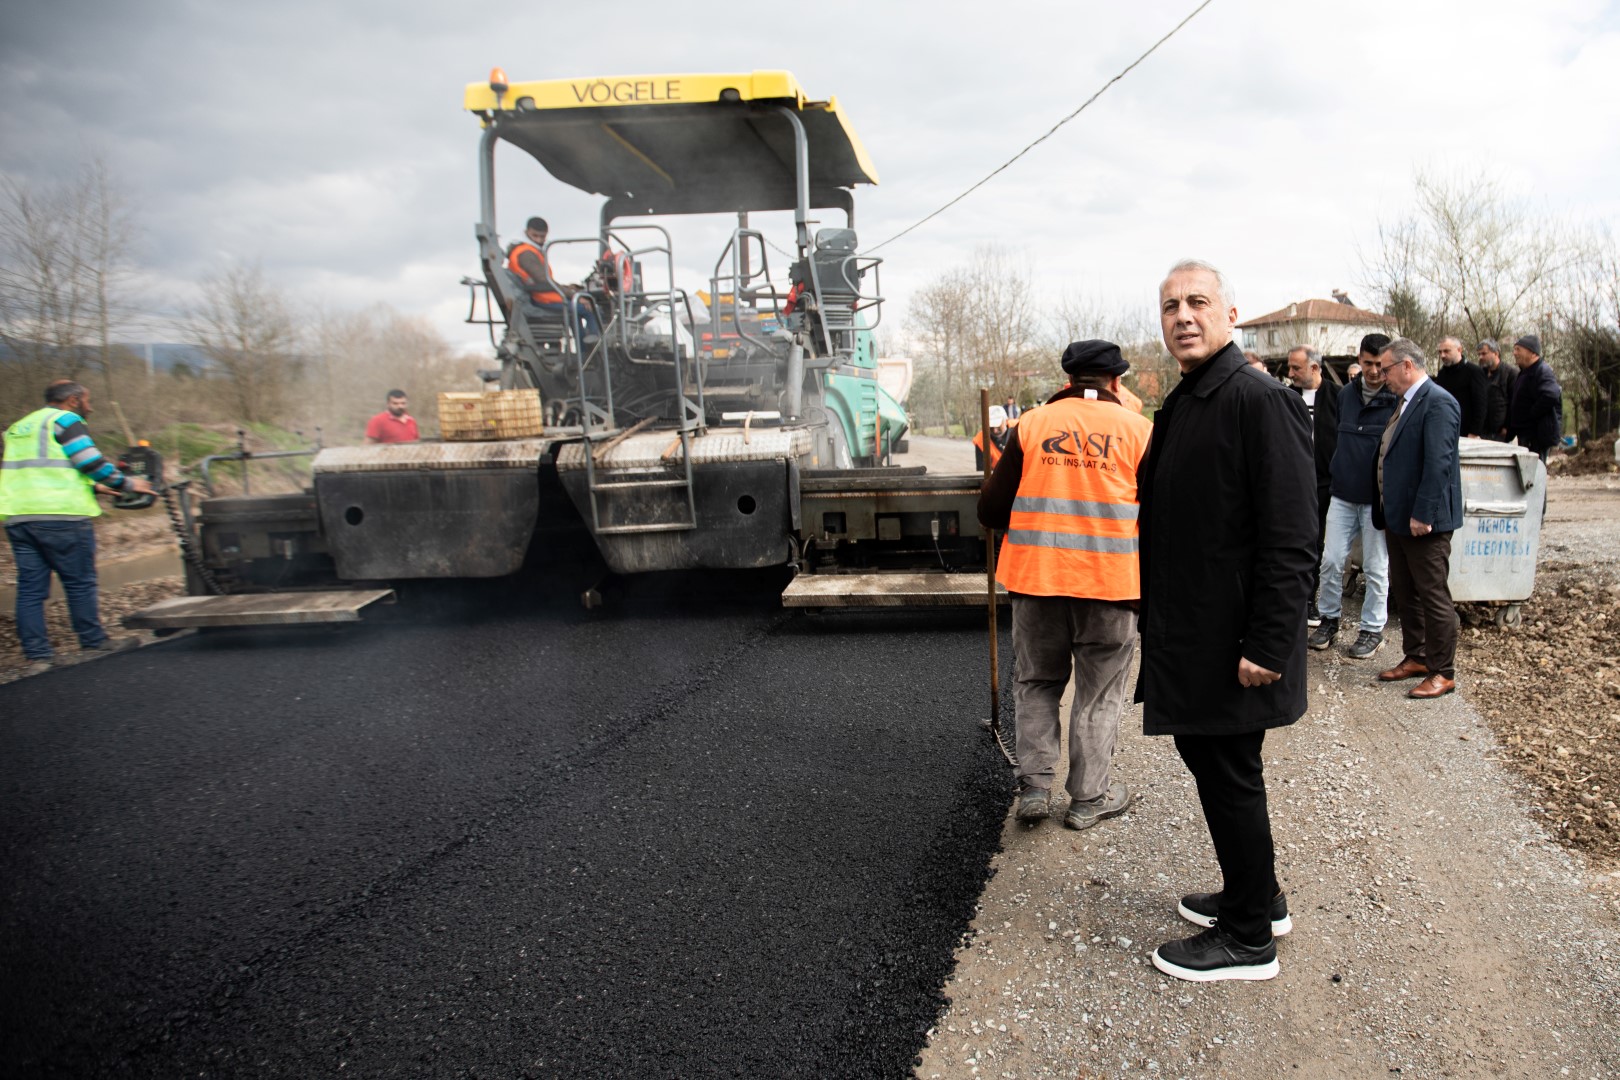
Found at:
<point>1383,443</point>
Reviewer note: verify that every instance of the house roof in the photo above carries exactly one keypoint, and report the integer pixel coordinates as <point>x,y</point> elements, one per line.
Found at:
<point>1320,311</point>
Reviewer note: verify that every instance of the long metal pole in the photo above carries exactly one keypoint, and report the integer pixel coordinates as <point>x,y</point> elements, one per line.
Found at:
<point>990,573</point>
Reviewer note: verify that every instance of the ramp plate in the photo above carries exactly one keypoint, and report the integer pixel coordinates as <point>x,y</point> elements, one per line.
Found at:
<point>888,590</point>
<point>257,609</point>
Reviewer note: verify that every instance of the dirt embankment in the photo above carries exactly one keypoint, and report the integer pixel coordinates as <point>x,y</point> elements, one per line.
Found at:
<point>1550,688</point>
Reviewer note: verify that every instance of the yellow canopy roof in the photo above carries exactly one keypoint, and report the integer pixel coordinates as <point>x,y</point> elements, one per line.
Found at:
<point>680,144</point>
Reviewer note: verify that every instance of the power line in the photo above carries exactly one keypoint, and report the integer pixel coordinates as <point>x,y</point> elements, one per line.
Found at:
<point>1053,130</point>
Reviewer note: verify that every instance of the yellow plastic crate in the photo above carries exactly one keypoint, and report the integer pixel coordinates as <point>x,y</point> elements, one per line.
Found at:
<point>496,414</point>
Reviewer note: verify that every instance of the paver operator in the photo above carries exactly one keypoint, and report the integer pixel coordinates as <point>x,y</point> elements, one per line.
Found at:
<point>1065,494</point>
<point>1228,536</point>
<point>48,483</point>
<point>527,260</point>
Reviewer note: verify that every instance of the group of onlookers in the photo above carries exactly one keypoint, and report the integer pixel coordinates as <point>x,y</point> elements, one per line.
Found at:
<point>1211,535</point>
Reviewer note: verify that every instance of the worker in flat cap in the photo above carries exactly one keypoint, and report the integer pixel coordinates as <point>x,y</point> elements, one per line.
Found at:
<point>1065,495</point>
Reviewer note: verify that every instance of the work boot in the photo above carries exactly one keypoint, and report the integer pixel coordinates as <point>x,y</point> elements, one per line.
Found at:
<point>39,667</point>
<point>1034,804</point>
<point>1324,634</point>
<point>110,646</point>
<point>1083,815</point>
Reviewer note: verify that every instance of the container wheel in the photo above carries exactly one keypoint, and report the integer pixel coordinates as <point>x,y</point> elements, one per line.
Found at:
<point>1508,617</point>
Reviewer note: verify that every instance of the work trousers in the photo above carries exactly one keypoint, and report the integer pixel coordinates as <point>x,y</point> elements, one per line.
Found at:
<point>1346,521</point>
<point>69,549</point>
<point>589,326</point>
<point>1232,788</point>
<point>1418,568</point>
<point>1054,636</point>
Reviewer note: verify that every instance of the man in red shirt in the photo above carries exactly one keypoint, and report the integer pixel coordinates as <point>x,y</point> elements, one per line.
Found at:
<point>393,424</point>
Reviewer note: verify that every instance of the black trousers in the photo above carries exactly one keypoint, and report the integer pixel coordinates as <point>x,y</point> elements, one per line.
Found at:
<point>1232,789</point>
<point>1418,590</point>
<point>1323,497</point>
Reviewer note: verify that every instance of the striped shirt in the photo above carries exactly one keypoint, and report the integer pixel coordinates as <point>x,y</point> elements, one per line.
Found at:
<point>74,438</point>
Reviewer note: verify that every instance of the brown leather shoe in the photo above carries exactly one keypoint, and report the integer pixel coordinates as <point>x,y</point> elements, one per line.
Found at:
<point>1434,686</point>
<point>1406,669</point>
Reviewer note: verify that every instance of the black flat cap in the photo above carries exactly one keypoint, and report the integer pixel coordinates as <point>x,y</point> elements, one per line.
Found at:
<point>1102,357</point>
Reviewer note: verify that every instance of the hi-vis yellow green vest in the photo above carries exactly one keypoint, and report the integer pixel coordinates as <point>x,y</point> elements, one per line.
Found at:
<point>36,476</point>
<point>1073,527</point>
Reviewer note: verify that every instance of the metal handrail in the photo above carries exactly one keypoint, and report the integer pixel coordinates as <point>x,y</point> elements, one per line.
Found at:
<point>244,455</point>
<point>739,283</point>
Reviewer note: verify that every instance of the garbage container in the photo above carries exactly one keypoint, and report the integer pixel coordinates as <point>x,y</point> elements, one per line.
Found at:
<point>1493,555</point>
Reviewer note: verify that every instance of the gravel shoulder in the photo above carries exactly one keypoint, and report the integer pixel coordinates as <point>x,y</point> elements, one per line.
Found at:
<point>1441,928</point>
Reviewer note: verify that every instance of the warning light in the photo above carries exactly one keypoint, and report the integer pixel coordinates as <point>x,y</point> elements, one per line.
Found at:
<point>497,80</point>
<point>143,442</point>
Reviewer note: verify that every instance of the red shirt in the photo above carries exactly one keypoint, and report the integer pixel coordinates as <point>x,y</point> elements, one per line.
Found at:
<point>385,427</point>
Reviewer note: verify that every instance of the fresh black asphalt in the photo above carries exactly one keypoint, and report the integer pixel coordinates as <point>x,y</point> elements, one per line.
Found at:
<point>691,836</point>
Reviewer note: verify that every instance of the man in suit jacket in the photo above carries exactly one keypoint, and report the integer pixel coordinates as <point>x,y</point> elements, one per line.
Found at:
<point>1306,372</point>
<point>1419,506</point>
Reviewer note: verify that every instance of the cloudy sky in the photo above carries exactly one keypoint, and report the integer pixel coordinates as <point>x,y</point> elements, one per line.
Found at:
<point>326,140</point>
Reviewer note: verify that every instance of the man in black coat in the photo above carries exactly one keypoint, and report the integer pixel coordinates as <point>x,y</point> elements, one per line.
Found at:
<point>1466,382</point>
<point>1228,539</point>
<point>1499,379</point>
<point>1305,371</point>
<point>1536,413</point>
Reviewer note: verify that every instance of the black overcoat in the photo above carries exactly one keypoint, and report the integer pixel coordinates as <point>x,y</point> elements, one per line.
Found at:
<point>1228,539</point>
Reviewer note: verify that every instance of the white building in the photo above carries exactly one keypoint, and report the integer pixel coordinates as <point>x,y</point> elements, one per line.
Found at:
<point>1333,328</point>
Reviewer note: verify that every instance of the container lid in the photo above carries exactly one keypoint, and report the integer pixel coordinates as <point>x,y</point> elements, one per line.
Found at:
<point>1472,449</point>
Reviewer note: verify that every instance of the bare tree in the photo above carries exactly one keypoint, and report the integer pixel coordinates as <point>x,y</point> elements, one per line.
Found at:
<point>937,322</point>
<point>361,355</point>
<point>1004,320</point>
<point>108,234</point>
<point>1080,317</point>
<point>246,329</point>
<point>1583,339</point>
<point>975,325</point>
<point>42,299</point>
<point>65,250</point>
<point>1466,260</point>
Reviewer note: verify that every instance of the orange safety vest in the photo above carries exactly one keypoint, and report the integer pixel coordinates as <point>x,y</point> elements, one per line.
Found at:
<point>995,451</point>
<point>1073,525</point>
<point>512,265</point>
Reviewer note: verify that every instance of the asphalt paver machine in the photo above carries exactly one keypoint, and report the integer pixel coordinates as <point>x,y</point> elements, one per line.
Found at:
<point>738,424</point>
